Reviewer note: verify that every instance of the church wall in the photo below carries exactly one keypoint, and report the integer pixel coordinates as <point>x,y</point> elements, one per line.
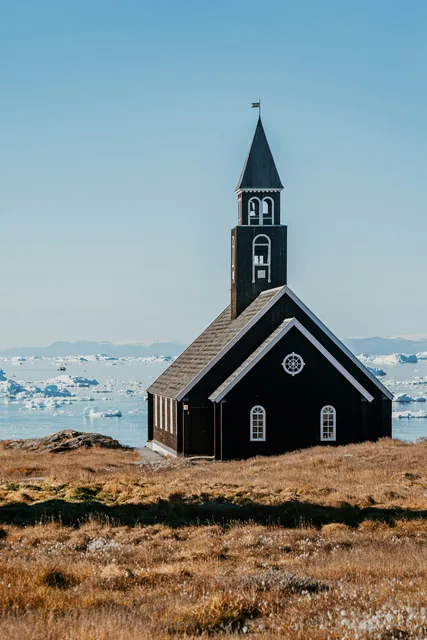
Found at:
<point>286,308</point>
<point>293,404</point>
<point>198,431</point>
<point>164,417</point>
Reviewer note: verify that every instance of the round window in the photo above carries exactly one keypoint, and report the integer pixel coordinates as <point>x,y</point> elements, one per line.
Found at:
<point>293,364</point>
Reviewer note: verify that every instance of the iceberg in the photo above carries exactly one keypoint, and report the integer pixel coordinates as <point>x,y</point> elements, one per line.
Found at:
<point>405,399</point>
<point>73,381</point>
<point>379,373</point>
<point>409,415</point>
<point>3,376</point>
<point>90,413</point>
<point>394,358</point>
<point>52,391</point>
<point>42,404</point>
<point>12,388</point>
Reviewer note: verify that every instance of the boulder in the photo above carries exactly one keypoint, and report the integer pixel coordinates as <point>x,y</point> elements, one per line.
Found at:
<point>65,440</point>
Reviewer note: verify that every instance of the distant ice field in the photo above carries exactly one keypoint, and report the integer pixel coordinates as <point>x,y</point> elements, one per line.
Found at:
<point>105,395</point>
<point>40,409</point>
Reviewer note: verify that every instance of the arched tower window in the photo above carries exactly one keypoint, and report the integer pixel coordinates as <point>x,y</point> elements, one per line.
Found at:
<point>267,211</point>
<point>328,424</point>
<point>254,206</point>
<point>258,421</point>
<point>261,258</point>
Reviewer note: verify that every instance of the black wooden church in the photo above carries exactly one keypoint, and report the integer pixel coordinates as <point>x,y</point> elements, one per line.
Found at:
<point>266,376</point>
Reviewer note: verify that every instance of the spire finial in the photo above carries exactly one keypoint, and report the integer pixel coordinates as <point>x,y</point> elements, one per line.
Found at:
<point>257,105</point>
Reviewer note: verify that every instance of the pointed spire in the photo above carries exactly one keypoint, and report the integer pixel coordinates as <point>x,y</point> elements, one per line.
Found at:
<point>259,171</point>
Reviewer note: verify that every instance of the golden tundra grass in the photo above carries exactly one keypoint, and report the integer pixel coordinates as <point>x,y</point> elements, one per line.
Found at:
<point>324,543</point>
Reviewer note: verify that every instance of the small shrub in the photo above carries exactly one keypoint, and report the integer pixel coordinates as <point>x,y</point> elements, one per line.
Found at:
<point>283,581</point>
<point>83,493</point>
<point>220,613</point>
<point>57,579</point>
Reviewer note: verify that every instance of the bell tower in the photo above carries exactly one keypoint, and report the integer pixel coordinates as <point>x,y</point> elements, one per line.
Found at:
<point>258,243</point>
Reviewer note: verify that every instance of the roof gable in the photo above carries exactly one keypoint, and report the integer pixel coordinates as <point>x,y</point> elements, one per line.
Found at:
<point>211,345</point>
<point>221,336</point>
<point>259,170</point>
<point>267,345</point>
<point>338,343</point>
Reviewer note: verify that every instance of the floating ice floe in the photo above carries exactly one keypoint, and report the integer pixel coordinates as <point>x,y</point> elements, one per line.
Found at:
<point>418,381</point>
<point>73,381</point>
<point>406,399</point>
<point>394,358</point>
<point>376,371</point>
<point>45,404</point>
<point>90,413</point>
<point>20,391</point>
<point>11,388</point>
<point>409,415</point>
<point>3,376</point>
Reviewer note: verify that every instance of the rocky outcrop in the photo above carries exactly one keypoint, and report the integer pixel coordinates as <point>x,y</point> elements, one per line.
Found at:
<point>66,440</point>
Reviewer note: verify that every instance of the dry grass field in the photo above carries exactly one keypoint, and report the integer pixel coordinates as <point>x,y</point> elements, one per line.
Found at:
<point>324,543</point>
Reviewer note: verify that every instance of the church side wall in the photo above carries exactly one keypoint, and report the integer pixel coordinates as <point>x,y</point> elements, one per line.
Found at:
<point>165,421</point>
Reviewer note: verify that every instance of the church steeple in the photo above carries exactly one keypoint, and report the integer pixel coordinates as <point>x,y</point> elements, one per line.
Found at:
<point>259,170</point>
<point>258,243</point>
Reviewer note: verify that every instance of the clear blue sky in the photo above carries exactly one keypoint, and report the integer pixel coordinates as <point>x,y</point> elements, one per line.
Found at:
<point>123,130</point>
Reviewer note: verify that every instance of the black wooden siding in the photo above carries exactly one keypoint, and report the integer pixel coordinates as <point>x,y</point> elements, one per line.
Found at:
<point>243,290</point>
<point>163,421</point>
<point>197,433</point>
<point>293,404</point>
<point>378,411</point>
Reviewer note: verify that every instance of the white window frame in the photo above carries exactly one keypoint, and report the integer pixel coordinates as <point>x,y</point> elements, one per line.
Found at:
<point>325,412</point>
<point>171,415</point>
<point>266,242</point>
<point>256,411</point>
<point>271,207</point>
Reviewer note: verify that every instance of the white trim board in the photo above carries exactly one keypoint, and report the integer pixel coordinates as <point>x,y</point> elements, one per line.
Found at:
<point>289,325</point>
<point>165,451</point>
<point>233,341</point>
<point>338,343</point>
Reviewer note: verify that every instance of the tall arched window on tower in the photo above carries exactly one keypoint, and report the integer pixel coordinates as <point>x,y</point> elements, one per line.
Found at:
<point>261,258</point>
<point>267,211</point>
<point>254,211</point>
<point>328,424</point>
<point>257,424</point>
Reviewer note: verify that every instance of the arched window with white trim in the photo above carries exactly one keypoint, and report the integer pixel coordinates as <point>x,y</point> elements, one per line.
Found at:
<point>254,210</point>
<point>328,424</point>
<point>258,424</point>
<point>261,258</point>
<point>267,211</point>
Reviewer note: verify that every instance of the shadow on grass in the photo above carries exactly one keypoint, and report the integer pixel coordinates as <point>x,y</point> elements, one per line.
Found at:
<point>180,511</point>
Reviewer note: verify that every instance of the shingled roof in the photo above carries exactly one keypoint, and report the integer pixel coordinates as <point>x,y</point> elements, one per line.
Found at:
<point>259,170</point>
<point>252,358</point>
<point>208,348</point>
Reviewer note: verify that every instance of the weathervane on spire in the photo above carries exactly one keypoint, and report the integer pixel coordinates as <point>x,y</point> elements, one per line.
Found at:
<point>257,105</point>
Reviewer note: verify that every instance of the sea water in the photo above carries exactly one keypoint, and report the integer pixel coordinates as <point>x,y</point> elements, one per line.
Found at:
<point>122,385</point>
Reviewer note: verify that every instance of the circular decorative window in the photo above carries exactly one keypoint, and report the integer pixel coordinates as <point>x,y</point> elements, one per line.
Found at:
<point>293,364</point>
